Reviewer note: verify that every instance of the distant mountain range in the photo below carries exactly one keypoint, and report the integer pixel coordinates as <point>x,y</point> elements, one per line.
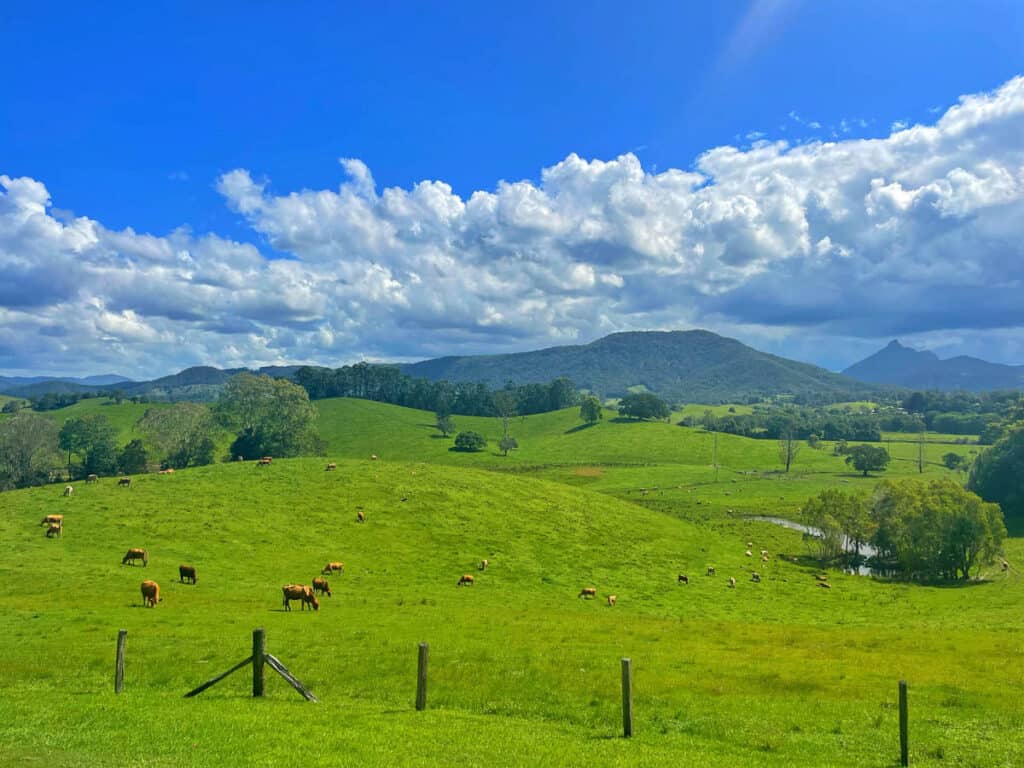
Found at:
<point>201,383</point>
<point>902,366</point>
<point>688,366</point>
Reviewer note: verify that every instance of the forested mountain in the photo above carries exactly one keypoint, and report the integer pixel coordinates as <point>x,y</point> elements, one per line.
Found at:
<point>902,366</point>
<point>693,366</point>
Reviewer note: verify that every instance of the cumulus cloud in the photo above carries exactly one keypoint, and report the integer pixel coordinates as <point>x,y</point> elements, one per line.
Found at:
<point>917,234</point>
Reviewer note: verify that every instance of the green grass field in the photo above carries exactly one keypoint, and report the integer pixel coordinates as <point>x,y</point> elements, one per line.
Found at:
<point>522,671</point>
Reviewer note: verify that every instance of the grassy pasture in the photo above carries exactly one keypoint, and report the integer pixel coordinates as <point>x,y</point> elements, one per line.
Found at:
<point>522,671</point>
<point>779,673</point>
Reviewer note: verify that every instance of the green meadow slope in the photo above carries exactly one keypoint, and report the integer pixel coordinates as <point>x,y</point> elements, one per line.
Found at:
<point>523,672</point>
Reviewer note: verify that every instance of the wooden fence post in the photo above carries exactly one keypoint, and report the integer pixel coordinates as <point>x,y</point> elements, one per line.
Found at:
<point>122,637</point>
<point>259,648</point>
<point>904,717</point>
<point>421,678</point>
<point>627,698</point>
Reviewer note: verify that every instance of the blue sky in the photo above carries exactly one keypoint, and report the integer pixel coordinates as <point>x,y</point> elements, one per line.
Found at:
<point>174,194</point>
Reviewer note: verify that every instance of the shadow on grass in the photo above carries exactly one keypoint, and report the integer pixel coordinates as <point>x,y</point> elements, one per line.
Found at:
<point>580,428</point>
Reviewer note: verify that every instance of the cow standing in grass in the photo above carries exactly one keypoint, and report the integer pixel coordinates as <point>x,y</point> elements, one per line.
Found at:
<point>466,580</point>
<point>587,592</point>
<point>150,593</point>
<point>187,574</point>
<point>299,592</point>
<point>134,554</point>
<point>320,585</point>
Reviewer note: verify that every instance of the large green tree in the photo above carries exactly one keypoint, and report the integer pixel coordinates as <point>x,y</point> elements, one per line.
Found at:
<point>271,417</point>
<point>94,439</point>
<point>28,450</point>
<point>644,405</point>
<point>590,409</point>
<point>182,435</point>
<point>867,458</point>
<point>997,474</point>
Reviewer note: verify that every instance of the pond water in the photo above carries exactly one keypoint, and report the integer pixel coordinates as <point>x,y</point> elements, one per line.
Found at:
<point>866,550</point>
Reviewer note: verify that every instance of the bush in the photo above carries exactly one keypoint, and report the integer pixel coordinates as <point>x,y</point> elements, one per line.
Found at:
<point>470,441</point>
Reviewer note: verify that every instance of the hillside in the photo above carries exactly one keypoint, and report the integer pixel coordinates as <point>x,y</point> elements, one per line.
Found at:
<point>518,662</point>
<point>902,366</point>
<point>692,366</point>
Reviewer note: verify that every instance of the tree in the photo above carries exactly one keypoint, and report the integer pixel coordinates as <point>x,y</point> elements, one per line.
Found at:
<point>470,441</point>
<point>867,458</point>
<point>134,459</point>
<point>12,406</point>
<point>591,410</point>
<point>507,444</point>
<point>825,513</point>
<point>181,434</point>
<point>813,441</point>
<point>789,448</point>
<point>937,529</point>
<point>997,474</point>
<point>445,423</point>
<point>28,450</point>
<point>644,405</point>
<point>954,461</point>
<point>505,404</point>
<point>271,417</point>
<point>93,438</point>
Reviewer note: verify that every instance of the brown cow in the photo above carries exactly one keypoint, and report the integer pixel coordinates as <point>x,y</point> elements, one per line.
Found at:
<point>59,519</point>
<point>320,585</point>
<point>264,461</point>
<point>124,481</point>
<point>332,567</point>
<point>361,516</point>
<point>135,554</point>
<point>187,573</point>
<point>92,479</point>
<point>299,592</point>
<point>588,592</point>
<point>611,600</point>
<point>466,580</point>
<point>150,593</point>
<point>55,529</point>
<point>684,579</point>
<point>68,490</point>
<point>331,466</point>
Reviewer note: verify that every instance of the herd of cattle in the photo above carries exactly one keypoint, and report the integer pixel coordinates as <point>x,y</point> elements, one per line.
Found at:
<point>307,595</point>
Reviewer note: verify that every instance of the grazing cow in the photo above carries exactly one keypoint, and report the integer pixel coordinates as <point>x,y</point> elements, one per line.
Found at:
<point>55,529</point>
<point>150,593</point>
<point>750,545</point>
<point>373,457</point>
<point>824,585</point>
<point>59,519</point>
<point>821,576</point>
<point>466,580</point>
<point>611,600</point>
<point>187,573</point>
<point>484,564</point>
<point>300,592</point>
<point>332,567</point>
<point>732,582</point>
<point>711,571</point>
<point>264,461</point>
<point>764,553</point>
<point>588,592</point>
<point>361,516</point>
<point>92,479</point>
<point>68,490</point>
<point>134,554</point>
<point>764,558</point>
<point>684,579</point>
<point>330,467</point>
<point>755,577</point>
<point>124,482</point>
<point>320,585</point>
<point>748,553</point>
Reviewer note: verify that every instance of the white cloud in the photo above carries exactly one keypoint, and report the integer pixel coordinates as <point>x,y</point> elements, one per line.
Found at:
<point>916,233</point>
